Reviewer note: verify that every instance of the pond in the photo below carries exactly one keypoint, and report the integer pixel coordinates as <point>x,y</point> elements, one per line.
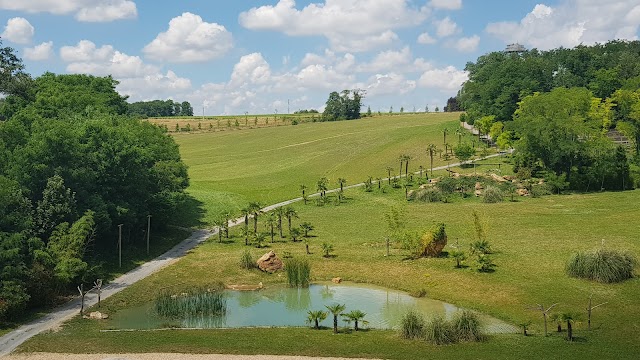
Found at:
<point>280,307</point>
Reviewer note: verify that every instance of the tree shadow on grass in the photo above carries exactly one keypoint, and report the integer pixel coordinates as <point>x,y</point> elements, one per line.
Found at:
<point>189,213</point>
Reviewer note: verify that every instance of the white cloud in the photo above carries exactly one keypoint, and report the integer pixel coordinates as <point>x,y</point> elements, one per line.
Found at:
<point>446,4</point>
<point>39,52</point>
<point>446,80</point>
<point>467,44</point>
<point>349,25</point>
<point>388,84</point>
<point>251,69</point>
<point>572,22</point>
<point>389,61</point>
<point>446,27</point>
<point>84,10</point>
<point>18,30</point>
<point>190,39</point>
<point>426,39</point>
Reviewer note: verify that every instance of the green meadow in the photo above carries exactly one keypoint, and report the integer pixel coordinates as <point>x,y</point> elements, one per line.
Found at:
<point>532,239</point>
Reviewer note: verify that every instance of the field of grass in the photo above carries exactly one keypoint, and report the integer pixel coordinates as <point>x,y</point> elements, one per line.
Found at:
<point>229,169</point>
<point>533,238</point>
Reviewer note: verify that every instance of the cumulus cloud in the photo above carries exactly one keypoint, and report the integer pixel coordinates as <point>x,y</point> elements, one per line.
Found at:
<point>39,52</point>
<point>190,39</point>
<point>446,79</point>
<point>387,84</point>
<point>388,61</point>
<point>467,44</point>
<point>84,10</point>
<point>18,30</point>
<point>572,22</point>
<point>426,39</point>
<point>349,25</point>
<point>446,4</point>
<point>446,27</point>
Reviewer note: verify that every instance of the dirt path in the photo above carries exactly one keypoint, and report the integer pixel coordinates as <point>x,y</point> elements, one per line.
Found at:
<point>57,317</point>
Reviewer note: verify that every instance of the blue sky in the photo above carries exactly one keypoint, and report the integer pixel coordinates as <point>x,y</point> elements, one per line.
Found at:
<point>237,56</point>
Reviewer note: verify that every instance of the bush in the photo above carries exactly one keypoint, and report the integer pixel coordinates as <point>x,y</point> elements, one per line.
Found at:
<point>466,326</point>
<point>246,260</point>
<point>492,195</point>
<point>298,272</point>
<point>200,302</point>
<point>602,265</point>
<point>412,326</point>
<point>439,331</point>
<point>540,190</point>
<point>429,195</point>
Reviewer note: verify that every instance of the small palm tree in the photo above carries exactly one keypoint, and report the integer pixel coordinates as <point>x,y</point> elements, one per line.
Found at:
<point>570,319</point>
<point>336,310</point>
<point>356,316</point>
<point>259,239</point>
<point>295,233</point>
<point>321,186</point>
<point>379,181</point>
<point>256,209</point>
<point>460,133</point>
<point>225,226</point>
<point>327,249</point>
<point>290,213</point>
<point>341,182</point>
<point>316,317</point>
<point>271,224</point>
<point>306,245</point>
<point>245,212</point>
<point>445,132</point>
<point>306,227</point>
<point>280,213</point>
<point>303,188</point>
<point>389,170</point>
<point>459,256</point>
<point>432,149</point>
<point>406,164</point>
<point>245,232</point>
<point>219,223</point>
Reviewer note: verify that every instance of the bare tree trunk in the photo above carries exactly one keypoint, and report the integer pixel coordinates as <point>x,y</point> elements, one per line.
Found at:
<point>569,331</point>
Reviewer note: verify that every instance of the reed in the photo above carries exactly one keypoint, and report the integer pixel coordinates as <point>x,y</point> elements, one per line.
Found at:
<point>199,302</point>
<point>298,272</point>
<point>602,265</point>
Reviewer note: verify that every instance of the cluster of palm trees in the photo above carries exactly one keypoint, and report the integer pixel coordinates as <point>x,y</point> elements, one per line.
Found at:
<point>355,316</point>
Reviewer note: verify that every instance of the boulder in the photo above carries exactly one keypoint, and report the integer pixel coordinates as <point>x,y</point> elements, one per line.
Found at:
<point>522,192</point>
<point>97,315</point>
<point>479,186</point>
<point>336,280</point>
<point>478,193</point>
<point>498,178</point>
<point>270,262</point>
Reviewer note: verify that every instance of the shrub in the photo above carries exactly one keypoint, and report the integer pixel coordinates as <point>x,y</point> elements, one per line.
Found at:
<point>298,272</point>
<point>492,195</point>
<point>485,263</point>
<point>429,195</point>
<point>246,260</point>
<point>466,326</point>
<point>480,247</point>
<point>412,326</point>
<point>439,331</point>
<point>602,265</point>
<point>540,190</point>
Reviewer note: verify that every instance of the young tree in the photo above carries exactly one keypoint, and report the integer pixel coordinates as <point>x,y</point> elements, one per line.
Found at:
<point>341,183</point>
<point>256,209</point>
<point>336,310</point>
<point>327,249</point>
<point>389,170</point>
<point>271,224</point>
<point>464,152</point>
<point>219,223</point>
<point>570,319</point>
<point>290,213</point>
<point>280,213</point>
<point>303,188</point>
<point>295,233</point>
<point>316,317</point>
<point>306,227</point>
<point>356,316</point>
<point>431,149</point>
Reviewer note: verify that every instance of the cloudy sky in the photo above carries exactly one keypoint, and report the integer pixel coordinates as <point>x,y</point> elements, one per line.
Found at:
<point>235,56</point>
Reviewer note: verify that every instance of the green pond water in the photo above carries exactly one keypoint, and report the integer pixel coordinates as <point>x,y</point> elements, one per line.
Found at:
<point>280,306</point>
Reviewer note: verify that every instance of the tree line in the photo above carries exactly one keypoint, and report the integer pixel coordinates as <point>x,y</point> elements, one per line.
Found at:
<point>73,166</point>
<point>561,110</point>
<point>160,108</point>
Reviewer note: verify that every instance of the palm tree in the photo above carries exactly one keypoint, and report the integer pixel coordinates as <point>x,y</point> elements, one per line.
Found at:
<point>280,214</point>
<point>321,186</point>
<point>432,148</point>
<point>306,227</point>
<point>379,181</point>
<point>260,239</point>
<point>227,218</point>
<point>219,223</point>
<point>271,223</point>
<point>290,213</point>
<point>246,233</point>
<point>295,234</point>
<point>336,310</point>
<point>406,164</point>
<point>421,171</point>
<point>570,318</point>
<point>316,317</point>
<point>306,245</point>
<point>256,209</point>
<point>355,316</point>
<point>303,188</point>
<point>460,133</point>
<point>401,159</point>
<point>341,182</point>
<point>445,132</point>
<point>389,170</point>
<point>327,248</point>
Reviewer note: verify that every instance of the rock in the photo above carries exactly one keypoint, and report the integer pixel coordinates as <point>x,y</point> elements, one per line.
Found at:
<point>541,182</point>
<point>270,262</point>
<point>410,194</point>
<point>509,177</point>
<point>336,280</point>
<point>498,178</point>
<point>478,193</point>
<point>522,192</point>
<point>97,315</point>
<point>479,186</point>
<point>434,181</point>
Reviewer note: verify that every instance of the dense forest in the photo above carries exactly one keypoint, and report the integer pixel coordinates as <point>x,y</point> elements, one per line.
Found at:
<point>561,109</point>
<point>160,108</point>
<point>73,166</point>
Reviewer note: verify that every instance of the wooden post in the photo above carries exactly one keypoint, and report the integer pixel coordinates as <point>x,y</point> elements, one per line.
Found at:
<point>98,286</point>
<point>148,231</point>
<point>82,293</point>
<point>589,309</point>
<point>545,314</point>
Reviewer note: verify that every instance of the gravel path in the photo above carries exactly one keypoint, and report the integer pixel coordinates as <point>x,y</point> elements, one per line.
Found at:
<point>48,356</point>
<point>57,317</point>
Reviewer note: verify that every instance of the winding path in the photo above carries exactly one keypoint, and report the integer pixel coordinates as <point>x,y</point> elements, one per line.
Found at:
<point>58,316</point>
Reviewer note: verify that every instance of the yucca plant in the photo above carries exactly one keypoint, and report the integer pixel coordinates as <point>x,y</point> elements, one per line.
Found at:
<point>439,331</point>
<point>466,326</point>
<point>412,326</point>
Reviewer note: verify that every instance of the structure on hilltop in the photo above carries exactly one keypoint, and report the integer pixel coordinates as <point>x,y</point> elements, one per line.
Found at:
<point>515,48</point>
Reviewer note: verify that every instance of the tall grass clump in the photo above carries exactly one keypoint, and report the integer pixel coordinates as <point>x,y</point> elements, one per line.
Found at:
<point>439,331</point>
<point>412,326</point>
<point>430,195</point>
<point>602,265</point>
<point>466,326</point>
<point>298,272</point>
<point>200,302</point>
<point>492,195</point>
<point>246,260</point>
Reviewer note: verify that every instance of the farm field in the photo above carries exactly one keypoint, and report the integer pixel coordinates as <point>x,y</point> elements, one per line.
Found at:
<point>532,238</point>
<point>229,169</point>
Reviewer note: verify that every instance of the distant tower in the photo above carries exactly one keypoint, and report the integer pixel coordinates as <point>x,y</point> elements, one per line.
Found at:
<point>515,49</point>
